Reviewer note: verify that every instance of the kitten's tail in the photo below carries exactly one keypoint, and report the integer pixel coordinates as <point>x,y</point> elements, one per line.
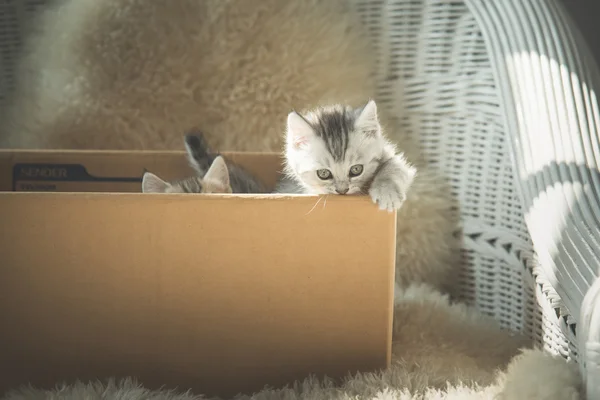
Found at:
<point>198,153</point>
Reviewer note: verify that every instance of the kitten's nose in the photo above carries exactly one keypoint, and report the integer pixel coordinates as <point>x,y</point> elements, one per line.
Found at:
<point>342,191</point>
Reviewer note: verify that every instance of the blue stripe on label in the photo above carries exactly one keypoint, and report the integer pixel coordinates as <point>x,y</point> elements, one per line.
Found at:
<point>60,173</point>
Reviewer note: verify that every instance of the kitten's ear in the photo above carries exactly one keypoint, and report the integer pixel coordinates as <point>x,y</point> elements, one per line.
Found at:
<point>153,184</point>
<point>299,131</point>
<point>218,171</point>
<point>368,121</point>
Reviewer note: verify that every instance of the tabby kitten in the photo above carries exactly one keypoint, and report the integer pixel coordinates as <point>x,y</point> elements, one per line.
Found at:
<point>201,157</point>
<point>340,150</point>
<point>216,180</point>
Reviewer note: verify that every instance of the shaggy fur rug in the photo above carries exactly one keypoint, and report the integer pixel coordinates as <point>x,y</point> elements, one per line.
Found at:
<point>441,350</point>
<point>137,74</point>
<point>532,375</point>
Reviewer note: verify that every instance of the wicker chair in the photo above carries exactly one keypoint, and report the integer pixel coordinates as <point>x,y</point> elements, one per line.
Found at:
<point>501,96</point>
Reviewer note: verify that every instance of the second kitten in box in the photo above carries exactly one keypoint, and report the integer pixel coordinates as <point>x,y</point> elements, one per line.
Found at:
<point>200,157</point>
<point>215,180</point>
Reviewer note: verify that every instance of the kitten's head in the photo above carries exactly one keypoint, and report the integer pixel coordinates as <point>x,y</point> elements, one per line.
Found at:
<point>335,149</point>
<point>216,180</point>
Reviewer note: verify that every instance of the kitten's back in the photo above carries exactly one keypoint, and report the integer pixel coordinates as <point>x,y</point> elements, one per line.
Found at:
<point>200,157</point>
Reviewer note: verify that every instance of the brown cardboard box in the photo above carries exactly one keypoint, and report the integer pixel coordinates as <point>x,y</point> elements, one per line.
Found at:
<point>218,293</point>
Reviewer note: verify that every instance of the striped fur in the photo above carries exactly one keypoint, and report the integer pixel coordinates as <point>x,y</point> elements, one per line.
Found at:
<point>334,126</point>
<point>216,180</point>
<point>191,184</point>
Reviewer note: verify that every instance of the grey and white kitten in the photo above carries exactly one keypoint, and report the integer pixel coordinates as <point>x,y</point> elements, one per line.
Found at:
<point>201,157</point>
<point>341,150</point>
<point>216,180</point>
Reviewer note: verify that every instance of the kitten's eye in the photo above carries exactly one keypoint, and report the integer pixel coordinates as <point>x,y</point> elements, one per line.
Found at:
<point>356,170</point>
<point>324,174</point>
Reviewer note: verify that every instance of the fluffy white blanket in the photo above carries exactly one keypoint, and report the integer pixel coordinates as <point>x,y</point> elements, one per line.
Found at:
<point>533,375</point>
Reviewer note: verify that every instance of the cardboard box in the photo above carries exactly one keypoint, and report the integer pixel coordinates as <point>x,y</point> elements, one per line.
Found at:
<point>217,293</point>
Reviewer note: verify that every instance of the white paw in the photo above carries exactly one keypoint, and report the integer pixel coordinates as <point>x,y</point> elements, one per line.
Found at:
<point>388,194</point>
<point>390,185</point>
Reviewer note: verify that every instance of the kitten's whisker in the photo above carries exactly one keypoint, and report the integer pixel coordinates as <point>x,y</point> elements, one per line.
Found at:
<point>325,202</point>
<point>316,204</point>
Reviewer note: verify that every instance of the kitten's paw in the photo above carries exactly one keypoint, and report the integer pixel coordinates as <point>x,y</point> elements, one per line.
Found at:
<point>390,185</point>
<point>387,194</point>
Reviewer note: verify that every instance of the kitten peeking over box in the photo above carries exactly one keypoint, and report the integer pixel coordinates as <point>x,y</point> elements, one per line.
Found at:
<point>330,150</point>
